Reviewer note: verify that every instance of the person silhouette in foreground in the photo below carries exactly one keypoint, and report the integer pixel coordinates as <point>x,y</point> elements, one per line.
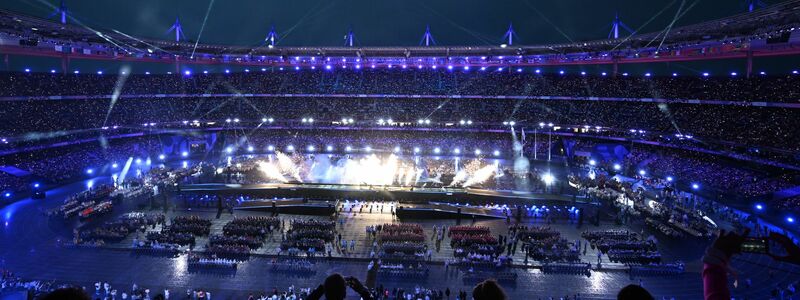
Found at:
<point>335,288</point>
<point>488,290</point>
<point>67,294</point>
<point>634,292</point>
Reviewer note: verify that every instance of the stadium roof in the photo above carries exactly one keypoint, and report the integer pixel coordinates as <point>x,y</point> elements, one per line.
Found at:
<point>763,32</point>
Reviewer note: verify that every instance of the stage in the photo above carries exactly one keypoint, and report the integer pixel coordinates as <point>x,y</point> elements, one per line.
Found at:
<point>402,194</point>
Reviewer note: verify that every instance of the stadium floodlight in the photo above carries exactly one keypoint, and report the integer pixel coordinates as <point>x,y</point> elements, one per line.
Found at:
<point>310,120</point>
<point>604,74</point>
<point>270,148</point>
<point>236,120</point>
<point>99,72</point>
<point>734,74</point>
<point>310,148</point>
<point>496,153</point>
<point>304,120</point>
<point>477,151</point>
<point>420,121</point>
<point>27,70</point>
<point>227,71</point>
<point>250,149</point>
<point>329,148</point>
<point>561,72</point>
<point>457,151</point>
<point>674,74</point>
<point>505,123</point>
<point>263,120</point>
<point>462,122</point>
<point>469,122</point>
<point>427,121</point>
<point>53,71</point>
<point>227,120</point>
<point>541,124</point>
<point>583,73</point>
<point>437,150</point>
<point>187,72</point>
<point>512,123</point>
<point>270,120</point>
<point>549,124</point>
<point>647,74</point>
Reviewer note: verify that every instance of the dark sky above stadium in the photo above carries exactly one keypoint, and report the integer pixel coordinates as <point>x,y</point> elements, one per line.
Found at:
<point>382,22</point>
<point>394,23</point>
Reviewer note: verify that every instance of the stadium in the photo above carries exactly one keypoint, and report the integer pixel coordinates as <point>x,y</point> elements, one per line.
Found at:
<point>399,150</point>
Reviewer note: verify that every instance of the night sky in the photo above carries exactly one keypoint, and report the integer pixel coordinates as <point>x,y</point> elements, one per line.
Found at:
<point>382,22</point>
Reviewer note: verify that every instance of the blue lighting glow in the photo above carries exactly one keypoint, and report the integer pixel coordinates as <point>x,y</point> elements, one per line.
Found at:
<point>790,219</point>
<point>642,172</point>
<point>617,167</point>
<point>705,74</point>
<point>89,171</point>
<point>759,207</point>
<point>695,186</point>
<point>496,153</point>
<point>669,178</point>
<point>185,154</point>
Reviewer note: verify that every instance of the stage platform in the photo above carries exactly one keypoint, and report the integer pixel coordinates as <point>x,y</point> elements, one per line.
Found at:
<point>403,194</point>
